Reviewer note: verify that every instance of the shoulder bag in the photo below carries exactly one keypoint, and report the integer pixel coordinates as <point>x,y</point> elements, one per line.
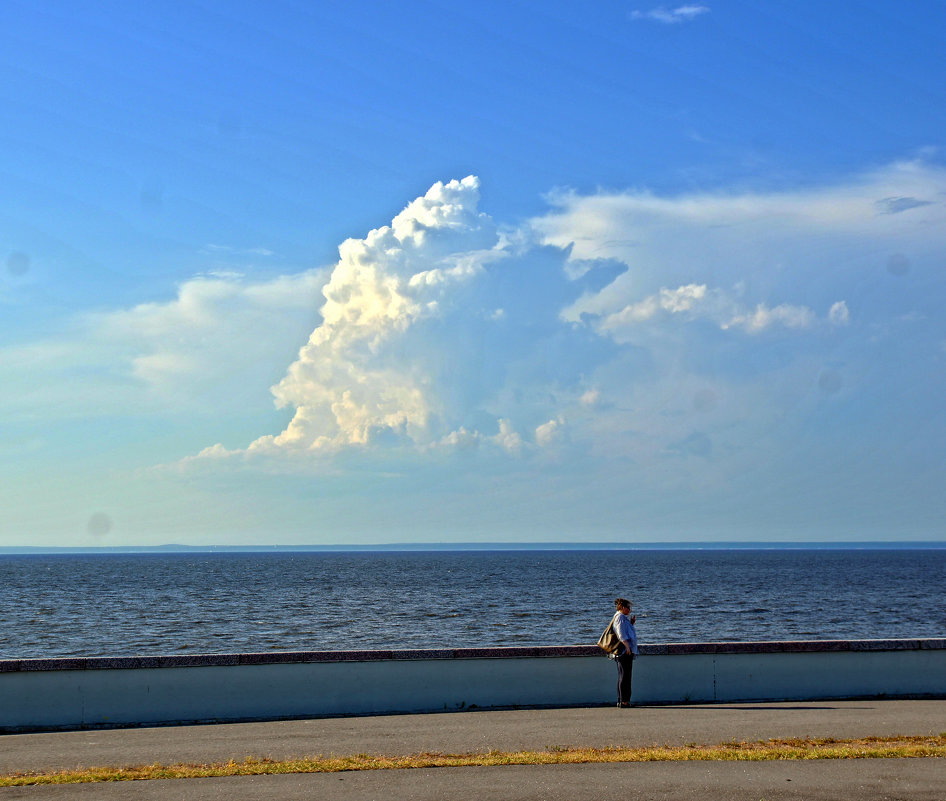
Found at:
<point>609,642</point>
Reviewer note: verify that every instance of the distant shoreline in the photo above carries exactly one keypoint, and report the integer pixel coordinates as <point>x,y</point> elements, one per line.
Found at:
<point>475,546</point>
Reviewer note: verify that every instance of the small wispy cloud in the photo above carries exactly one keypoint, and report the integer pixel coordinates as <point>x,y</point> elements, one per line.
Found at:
<point>839,314</point>
<point>673,16</point>
<point>201,348</point>
<point>696,301</point>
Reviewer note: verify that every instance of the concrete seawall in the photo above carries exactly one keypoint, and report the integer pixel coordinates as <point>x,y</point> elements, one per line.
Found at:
<point>38,694</point>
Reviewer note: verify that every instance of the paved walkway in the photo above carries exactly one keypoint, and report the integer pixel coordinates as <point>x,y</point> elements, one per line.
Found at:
<point>922,779</point>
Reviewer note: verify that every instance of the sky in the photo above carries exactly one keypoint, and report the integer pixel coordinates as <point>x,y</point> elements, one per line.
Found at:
<point>364,272</point>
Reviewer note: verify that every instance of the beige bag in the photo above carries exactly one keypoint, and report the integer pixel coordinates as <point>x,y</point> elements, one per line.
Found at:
<point>609,642</point>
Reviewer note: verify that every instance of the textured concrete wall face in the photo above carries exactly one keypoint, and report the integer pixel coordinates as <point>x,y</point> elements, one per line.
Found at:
<point>101,692</point>
<point>673,679</point>
<point>51,699</point>
<point>827,675</point>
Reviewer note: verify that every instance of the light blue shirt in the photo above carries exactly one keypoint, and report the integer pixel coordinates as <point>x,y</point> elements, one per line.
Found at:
<point>625,630</point>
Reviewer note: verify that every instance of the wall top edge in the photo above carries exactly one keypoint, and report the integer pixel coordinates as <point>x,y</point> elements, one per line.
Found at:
<point>519,652</point>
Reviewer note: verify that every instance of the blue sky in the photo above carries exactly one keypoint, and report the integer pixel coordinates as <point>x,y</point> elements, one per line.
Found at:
<point>447,272</point>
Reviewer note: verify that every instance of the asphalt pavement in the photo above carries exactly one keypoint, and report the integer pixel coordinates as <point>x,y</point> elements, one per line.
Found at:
<point>507,730</point>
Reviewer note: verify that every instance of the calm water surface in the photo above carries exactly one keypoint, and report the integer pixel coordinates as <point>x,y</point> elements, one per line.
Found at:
<point>107,605</point>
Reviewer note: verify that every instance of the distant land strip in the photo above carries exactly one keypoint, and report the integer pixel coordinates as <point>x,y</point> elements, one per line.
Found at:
<point>400,547</point>
<point>768,750</point>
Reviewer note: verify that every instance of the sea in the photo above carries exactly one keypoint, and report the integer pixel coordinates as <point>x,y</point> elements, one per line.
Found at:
<point>121,604</point>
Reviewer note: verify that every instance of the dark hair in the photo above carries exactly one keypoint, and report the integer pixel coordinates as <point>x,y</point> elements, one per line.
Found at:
<point>621,602</point>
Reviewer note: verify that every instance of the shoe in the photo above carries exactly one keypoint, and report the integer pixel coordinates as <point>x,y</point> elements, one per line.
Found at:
<point>623,705</point>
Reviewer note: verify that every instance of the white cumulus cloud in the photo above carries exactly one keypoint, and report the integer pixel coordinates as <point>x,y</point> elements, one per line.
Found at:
<point>439,334</point>
<point>508,438</point>
<point>549,433</point>
<point>748,261</point>
<point>430,329</point>
<point>762,317</point>
<point>697,302</point>
<point>839,314</point>
<point>672,301</point>
<point>351,384</point>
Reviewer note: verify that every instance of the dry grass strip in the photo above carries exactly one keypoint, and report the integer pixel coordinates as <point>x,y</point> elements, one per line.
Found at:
<point>807,748</point>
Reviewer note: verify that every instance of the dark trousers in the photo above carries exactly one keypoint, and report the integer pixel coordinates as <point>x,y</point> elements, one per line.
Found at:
<point>625,668</point>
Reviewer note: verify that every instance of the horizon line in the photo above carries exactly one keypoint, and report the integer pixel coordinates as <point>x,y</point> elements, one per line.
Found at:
<point>504,545</point>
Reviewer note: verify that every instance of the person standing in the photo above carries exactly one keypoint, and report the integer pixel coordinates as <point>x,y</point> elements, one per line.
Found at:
<point>623,624</point>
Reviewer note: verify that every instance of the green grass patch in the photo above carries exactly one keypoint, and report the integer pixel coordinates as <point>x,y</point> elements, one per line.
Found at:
<point>807,748</point>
